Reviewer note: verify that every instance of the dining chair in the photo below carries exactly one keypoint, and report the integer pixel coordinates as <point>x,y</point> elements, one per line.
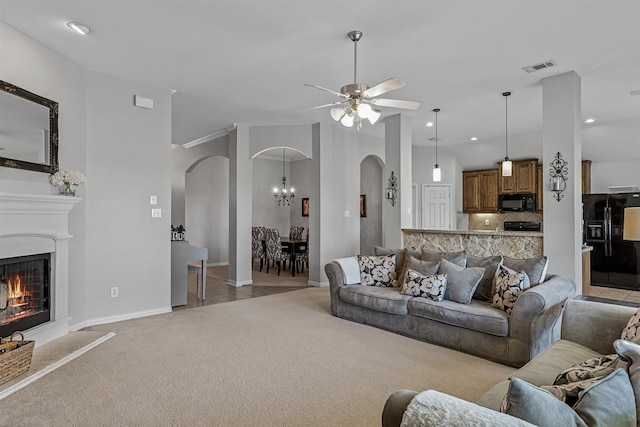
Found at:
<point>274,249</point>
<point>295,232</point>
<point>257,245</point>
<point>302,255</point>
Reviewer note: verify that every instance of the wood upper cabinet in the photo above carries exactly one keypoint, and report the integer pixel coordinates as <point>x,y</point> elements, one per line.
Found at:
<point>480,191</point>
<point>539,187</point>
<point>522,180</point>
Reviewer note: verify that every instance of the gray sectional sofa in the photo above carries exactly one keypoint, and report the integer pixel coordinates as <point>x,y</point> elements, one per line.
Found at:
<point>589,330</point>
<point>476,328</point>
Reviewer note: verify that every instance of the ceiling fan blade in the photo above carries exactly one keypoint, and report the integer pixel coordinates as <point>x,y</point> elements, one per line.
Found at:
<point>396,103</point>
<point>333,104</point>
<point>384,87</point>
<point>327,90</point>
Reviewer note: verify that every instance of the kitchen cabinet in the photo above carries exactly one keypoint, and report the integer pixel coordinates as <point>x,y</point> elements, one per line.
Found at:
<point>539,187</point>
<point>586,177</point>
<point>480,191</point>
<point>522,180</point>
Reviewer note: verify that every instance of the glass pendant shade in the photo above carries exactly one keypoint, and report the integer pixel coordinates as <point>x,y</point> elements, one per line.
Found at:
<point>437,174</point>
<point>337,113</point>
<point>507,168</point>
<point>373,117</point>
<point>347,120</point>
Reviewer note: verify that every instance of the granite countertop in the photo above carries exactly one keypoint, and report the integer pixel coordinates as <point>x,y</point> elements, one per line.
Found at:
<point>500,233</point>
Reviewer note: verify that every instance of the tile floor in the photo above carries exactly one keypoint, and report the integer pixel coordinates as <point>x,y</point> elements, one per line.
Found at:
<point>615,294</point>
<point>218,291</point>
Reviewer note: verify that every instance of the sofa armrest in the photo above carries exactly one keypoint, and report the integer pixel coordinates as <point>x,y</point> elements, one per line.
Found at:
<point>336,281</point>
<point>395,406</point>
<point>535,318</point>
<point>595,324</point>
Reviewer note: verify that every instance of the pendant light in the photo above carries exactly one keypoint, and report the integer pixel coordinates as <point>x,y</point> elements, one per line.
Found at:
<point>437,173</point>
<point>283,196</point>
<point>507,166</point>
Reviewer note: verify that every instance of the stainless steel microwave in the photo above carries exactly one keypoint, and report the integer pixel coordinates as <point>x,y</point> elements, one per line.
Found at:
<point>517,202</point>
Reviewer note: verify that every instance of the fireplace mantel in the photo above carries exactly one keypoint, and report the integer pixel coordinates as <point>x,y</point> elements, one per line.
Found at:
<point>31,224</point>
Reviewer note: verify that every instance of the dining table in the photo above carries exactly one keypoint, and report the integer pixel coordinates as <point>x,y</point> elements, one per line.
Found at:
<point>293,247</point>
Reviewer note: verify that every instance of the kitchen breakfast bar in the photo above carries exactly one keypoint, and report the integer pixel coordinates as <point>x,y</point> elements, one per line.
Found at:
<point>514,244</point>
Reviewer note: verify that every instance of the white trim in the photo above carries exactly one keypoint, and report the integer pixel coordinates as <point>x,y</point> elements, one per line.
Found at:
<point>238,284</point>
<point>207,138</point>
<point>41,373</point>
<point>120,318</point>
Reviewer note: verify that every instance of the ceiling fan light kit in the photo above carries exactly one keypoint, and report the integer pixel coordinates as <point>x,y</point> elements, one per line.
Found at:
<point>359,101</point>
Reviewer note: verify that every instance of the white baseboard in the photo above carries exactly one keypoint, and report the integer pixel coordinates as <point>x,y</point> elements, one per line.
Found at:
<point>119,318</point>
<point>318,284</point>
<point>238,284</point>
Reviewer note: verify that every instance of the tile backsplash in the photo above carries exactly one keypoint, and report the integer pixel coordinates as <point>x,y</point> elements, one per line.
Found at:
<point>477,221</point>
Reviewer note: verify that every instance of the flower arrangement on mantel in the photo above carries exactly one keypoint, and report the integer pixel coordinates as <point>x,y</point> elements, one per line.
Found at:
<point>67,181</point>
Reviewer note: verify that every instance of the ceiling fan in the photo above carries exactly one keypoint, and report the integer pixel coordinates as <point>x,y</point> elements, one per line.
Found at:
<point>359,101</point>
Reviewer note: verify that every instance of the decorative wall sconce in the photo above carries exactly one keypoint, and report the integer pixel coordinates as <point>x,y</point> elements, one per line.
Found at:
<point>392,189</point>
<point>559,176</point>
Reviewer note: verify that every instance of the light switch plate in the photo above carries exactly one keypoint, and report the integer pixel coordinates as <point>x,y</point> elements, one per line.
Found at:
<point>153,199</point>
<point>156,213</point>
<point>346,214</point>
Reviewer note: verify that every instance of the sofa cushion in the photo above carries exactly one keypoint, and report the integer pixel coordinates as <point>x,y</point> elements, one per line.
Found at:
<point>377,270</point>
<point>536,268</point>
<point>544,368</point>
<point>428,268</point>
<point>416,284</point>
<point>461,282</point>
<point>401,255</point>
<point>632,331</point>
<point>607,402</point>
<point>484,291</point>
<point>477,316</point>
<point>388,300</point>
<point>458,258</point>
<point>630,352</point>
<point>509,286</point>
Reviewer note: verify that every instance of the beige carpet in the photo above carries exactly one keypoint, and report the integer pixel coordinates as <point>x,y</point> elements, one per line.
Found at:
<point>279,360</point>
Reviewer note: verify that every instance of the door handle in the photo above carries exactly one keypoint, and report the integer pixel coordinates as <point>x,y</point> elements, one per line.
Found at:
<point>610,233</point>
<point>605,227</point>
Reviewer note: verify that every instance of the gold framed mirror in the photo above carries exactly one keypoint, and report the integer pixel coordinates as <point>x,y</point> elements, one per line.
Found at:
<point>28,130</point>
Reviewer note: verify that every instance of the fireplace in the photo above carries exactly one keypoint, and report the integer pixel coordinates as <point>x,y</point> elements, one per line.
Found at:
<point>24,292</point>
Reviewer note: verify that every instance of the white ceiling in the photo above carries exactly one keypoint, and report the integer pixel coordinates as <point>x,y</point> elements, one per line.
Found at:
<point>247,61</point>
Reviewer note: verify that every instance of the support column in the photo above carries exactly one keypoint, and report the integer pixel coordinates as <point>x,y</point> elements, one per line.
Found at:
<point>398,160</point>
<point>562,132</point>
<point>240,207</point>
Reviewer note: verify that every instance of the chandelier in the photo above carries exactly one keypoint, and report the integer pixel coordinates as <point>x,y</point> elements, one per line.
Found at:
<point>283,196</point>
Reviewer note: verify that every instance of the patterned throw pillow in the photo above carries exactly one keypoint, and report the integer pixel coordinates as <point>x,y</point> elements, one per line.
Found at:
<point>426,286</point>
<point>377,270</point>
<point>509,286</point>
<point>632,331</point>
<point>579,377</point>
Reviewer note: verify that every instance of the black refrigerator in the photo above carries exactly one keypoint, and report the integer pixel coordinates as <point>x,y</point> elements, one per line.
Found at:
<point>615,262</point>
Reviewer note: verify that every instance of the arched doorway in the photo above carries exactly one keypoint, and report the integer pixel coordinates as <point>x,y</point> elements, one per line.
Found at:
<point>371,199</point>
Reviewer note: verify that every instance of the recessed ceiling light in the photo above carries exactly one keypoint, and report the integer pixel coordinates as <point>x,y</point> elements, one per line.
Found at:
<point>429,124</point>
<point>590,120</point>
<point>474,138</point>
<point>79,28</point>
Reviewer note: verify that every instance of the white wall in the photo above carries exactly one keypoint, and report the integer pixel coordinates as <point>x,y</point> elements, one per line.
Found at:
<point>207,208</point>
<point>128,156</point>
<point>124,153</point>
<point>606,174</point>
<point>301,178</point>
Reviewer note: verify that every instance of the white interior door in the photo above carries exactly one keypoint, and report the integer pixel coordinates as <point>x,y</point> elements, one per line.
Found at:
<point>436,207</point>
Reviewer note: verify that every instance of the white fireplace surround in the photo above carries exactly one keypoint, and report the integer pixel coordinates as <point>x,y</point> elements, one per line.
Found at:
<point>34,224</point>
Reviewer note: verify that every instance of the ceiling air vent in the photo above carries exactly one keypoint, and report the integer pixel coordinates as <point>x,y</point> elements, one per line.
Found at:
<point>540,66</point>
<point>634,92</point>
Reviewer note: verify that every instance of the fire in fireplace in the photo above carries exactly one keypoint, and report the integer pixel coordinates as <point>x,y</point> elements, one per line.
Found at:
<point>24,292</point>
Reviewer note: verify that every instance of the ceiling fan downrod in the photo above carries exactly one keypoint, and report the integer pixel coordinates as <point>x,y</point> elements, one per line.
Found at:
<point>355,36</point>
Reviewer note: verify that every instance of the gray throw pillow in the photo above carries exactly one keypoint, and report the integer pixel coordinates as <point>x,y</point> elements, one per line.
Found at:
<point>536,268</point>
<point>630,353</point>
<point>423,267</point>
<point>490,264</point>
<point>608,402</point>
<point>458,258</point>
<point>461,282</point>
